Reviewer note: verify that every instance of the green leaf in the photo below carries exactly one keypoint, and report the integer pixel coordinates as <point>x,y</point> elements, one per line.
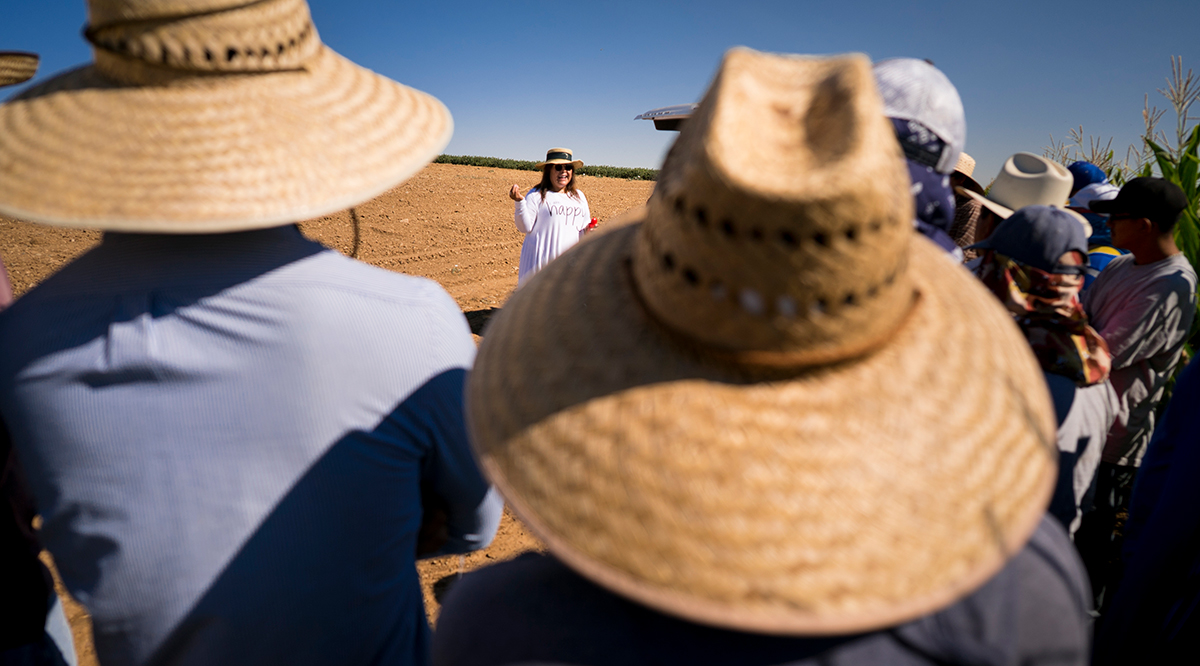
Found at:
<point>1163,157</point>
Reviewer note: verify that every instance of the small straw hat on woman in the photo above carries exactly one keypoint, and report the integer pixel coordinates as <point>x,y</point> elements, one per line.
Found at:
<point>17,67</point>
<point>209,116</point>
<point>560,156</point>
<point>768,405</point>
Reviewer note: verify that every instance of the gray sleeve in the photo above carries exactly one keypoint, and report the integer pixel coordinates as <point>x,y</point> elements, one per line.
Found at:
<point>1150,327</point>
<point>1035,611</point>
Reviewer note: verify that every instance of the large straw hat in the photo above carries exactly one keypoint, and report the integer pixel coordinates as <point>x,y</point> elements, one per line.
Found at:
<point>560,156</point>
<point>1025,180</point>
<point>17,67</point>
<point>769,405</point>
<point>209,116</point>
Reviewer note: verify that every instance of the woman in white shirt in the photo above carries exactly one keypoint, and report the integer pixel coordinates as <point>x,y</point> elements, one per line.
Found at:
<point>553,214</point>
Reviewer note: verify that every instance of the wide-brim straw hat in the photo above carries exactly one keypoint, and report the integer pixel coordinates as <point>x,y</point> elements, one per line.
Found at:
<point>560,156</point>
<point>966,168</point>
<point>17,67</point>
<point>767,404</point>
<point>1025,180</point>
<point>204,116</point>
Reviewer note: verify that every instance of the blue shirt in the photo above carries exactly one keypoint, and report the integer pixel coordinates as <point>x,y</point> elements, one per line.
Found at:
<point>535,610</point>
<point>1155,612</point>
<point>228,437</point>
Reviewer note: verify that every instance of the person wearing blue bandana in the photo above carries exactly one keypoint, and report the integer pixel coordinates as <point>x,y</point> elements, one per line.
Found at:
<point>927,115</point>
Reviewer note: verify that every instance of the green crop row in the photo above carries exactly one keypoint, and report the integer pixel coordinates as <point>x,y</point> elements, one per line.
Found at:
<point>628,173</point>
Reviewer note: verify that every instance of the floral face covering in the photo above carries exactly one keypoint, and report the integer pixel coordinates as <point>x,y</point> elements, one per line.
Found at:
<point>1046,306</point>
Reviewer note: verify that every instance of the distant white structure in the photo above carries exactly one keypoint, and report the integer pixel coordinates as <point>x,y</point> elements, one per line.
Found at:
<point>668,117</point>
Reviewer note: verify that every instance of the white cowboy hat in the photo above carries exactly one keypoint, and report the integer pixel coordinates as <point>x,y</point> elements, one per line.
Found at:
<point>1025,180</point>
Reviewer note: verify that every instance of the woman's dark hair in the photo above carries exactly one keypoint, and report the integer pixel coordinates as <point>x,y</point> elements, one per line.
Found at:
<point>544,186</point>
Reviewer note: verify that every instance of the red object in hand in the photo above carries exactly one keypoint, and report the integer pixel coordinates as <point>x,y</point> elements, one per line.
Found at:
<point>592,225</point>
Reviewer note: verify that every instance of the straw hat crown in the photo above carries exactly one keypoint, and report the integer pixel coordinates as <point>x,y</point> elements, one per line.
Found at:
<point>780,229</point>
<point>202,35</point>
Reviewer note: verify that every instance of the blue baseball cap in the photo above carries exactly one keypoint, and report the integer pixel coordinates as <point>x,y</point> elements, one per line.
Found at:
<point>1038,236</point>
<point>1084,174</point>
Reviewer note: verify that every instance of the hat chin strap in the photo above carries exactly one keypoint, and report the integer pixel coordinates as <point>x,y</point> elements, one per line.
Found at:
<point>264,36</point>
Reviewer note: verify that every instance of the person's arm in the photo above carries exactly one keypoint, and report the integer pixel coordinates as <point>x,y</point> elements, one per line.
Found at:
<point>462,511</point>
<point>587,215</point>
<point>5,288</point>
<point>525,216</point>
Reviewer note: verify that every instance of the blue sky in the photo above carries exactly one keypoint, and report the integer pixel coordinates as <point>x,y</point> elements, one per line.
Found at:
<point>521,77</point>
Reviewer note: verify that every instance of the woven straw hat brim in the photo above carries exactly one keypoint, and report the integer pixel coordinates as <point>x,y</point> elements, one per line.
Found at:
<point>846,498</point>
<point>17,67</point>
<point>212,153</point>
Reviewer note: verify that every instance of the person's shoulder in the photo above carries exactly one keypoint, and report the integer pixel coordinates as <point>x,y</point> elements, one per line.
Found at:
<point>333,283</point>
<point>488,588</point>
<point>338,271</point>
<point>1119,263</point>
<point>492,614</point>
<point>1173,274</point>
<point>1050,556</point>
<point>1038,603</point>
<point>1181,266</point>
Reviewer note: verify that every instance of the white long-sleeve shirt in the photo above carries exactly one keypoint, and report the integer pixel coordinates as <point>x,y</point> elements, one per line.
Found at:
<point>551,226</point>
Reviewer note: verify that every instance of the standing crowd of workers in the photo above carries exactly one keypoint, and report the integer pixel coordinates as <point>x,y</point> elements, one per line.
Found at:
<point>826,400</point>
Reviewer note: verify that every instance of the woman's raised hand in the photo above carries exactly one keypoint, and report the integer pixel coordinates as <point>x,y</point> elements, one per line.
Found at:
<point>515,194</point>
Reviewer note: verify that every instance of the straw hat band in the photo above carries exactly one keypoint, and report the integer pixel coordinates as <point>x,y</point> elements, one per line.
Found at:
<point>770,321</point>
<point>832,501</point>
<point>559,156</point>
<point>264,36</point>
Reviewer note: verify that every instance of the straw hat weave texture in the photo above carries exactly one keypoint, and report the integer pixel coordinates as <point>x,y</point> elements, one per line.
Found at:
<point>155,137</point>
<point>780,477</point>
<point>819,270</point>
<point>966,165</point>
<point>17,67</point>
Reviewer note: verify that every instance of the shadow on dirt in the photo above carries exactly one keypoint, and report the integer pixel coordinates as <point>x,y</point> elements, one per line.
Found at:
<point>442,586</point>
<point>478,319</point>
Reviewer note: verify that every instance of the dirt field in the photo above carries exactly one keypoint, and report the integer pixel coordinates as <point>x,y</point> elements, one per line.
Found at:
<point>450,223</point>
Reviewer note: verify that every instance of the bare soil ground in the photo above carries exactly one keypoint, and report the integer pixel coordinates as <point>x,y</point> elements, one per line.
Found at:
<point>450,223</point>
